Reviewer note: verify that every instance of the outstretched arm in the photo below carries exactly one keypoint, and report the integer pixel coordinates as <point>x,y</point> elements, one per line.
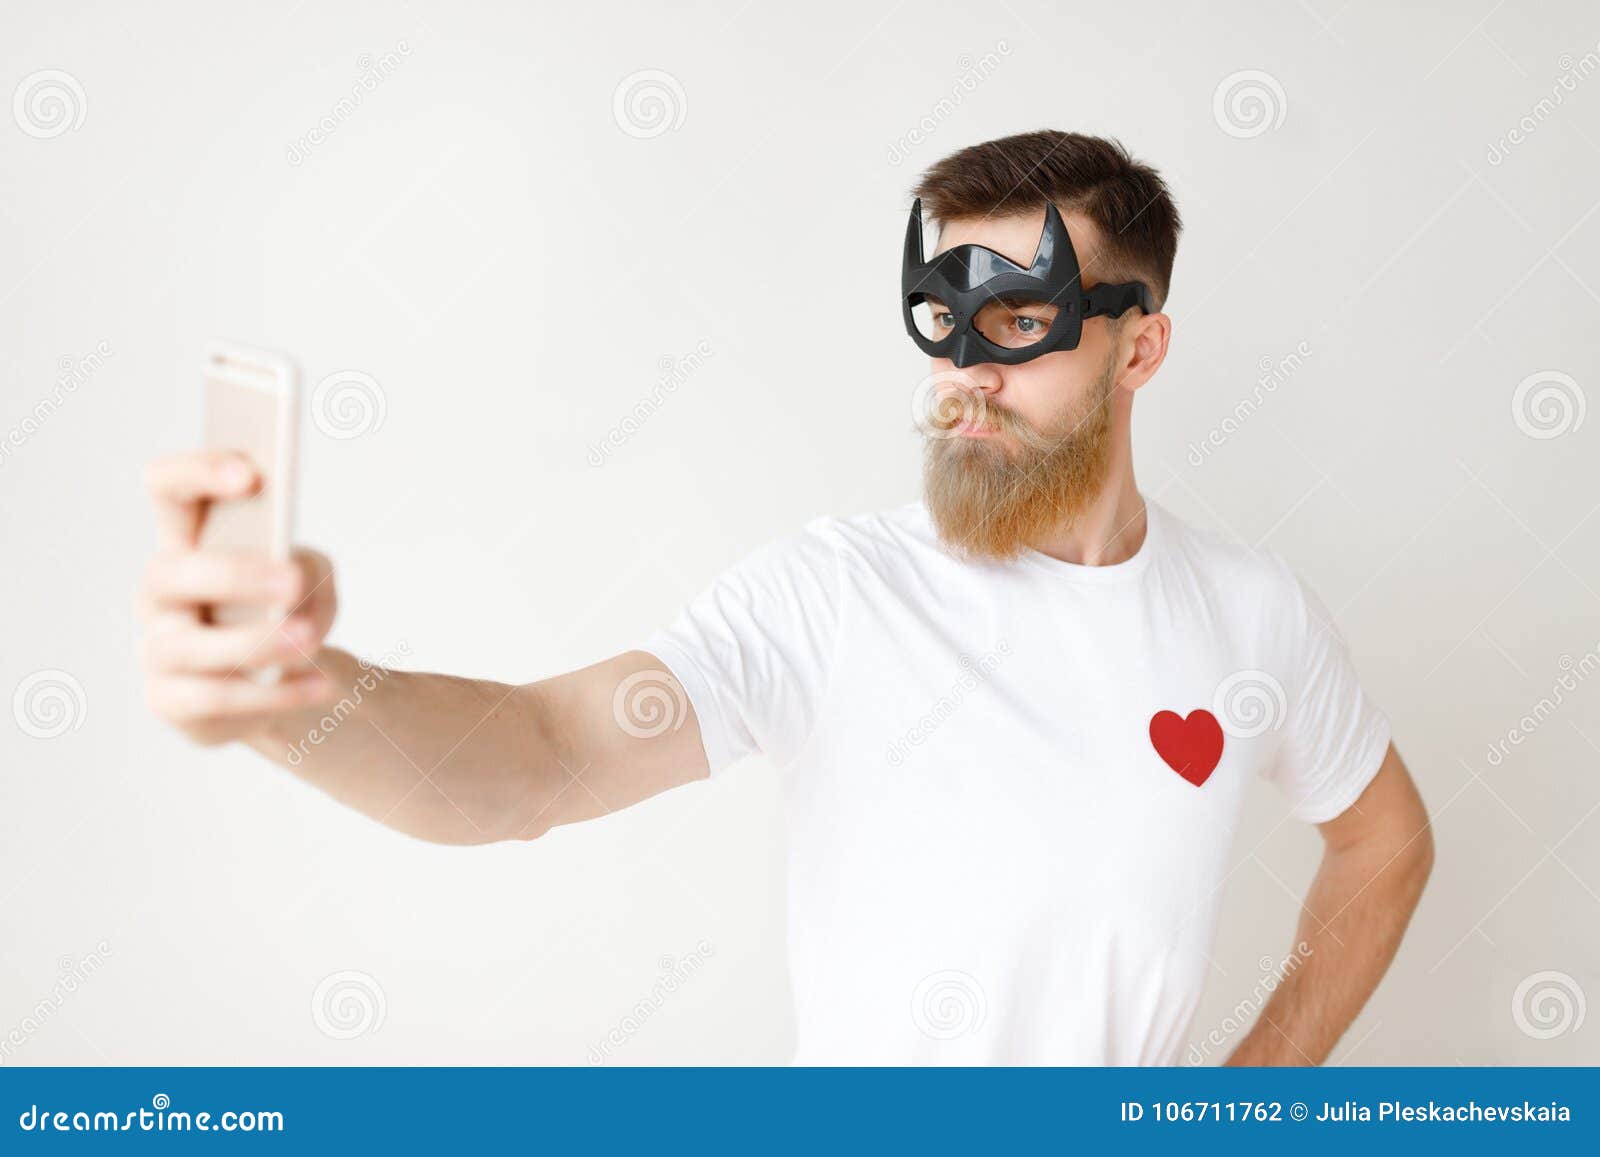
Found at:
<point>457,761</point>
<point>469,761</point>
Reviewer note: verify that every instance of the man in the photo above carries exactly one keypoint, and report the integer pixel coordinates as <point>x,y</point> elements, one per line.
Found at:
<point>1014,722</point>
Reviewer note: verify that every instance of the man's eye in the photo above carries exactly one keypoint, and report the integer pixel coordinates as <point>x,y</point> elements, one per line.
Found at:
<point>1027,324</point>
<point>945,319</point>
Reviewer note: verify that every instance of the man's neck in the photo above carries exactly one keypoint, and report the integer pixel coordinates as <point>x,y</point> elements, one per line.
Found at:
<point>1109,530</point>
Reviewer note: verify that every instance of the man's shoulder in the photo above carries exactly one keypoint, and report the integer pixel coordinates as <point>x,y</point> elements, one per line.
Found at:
<point>1225,561</point>
<point>819,546</point>
<point>892,530</point>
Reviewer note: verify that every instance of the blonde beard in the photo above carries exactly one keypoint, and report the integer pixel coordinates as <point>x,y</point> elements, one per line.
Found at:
<point>990,500</point>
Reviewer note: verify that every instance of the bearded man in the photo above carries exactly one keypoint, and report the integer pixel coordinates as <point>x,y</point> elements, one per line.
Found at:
<point>1015,722</point>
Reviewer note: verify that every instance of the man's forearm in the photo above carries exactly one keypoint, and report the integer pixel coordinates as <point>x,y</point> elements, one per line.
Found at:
<point>1350,928</point>
<point>456,761</point>
<point>471,761</point>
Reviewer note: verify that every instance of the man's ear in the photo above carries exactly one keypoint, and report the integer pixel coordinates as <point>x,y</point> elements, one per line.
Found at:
<point>1143,347</point>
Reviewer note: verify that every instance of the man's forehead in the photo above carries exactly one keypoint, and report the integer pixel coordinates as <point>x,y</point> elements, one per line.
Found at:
<point>1016,235</point>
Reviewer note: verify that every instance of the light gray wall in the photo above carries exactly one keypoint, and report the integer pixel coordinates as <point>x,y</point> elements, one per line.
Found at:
<point>510,249</point>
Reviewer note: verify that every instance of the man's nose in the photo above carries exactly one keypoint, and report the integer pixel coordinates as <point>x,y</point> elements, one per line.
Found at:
<point>982,377</point>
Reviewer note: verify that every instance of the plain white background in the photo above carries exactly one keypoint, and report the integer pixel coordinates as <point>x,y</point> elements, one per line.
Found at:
<point>511,253</point>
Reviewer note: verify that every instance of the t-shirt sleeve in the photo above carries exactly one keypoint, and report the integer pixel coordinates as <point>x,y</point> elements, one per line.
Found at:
<point>754,649</point>
<point>1335,737</point>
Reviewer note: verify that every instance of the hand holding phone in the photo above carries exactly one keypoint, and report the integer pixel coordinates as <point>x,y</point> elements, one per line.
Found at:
<point>228,599</point>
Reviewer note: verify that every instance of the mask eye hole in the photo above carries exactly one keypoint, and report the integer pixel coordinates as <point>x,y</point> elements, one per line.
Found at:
<point>1016,324</point>
<point>933,319</point>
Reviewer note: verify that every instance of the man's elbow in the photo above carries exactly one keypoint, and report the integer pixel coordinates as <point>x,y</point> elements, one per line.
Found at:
<point>1416,856</point>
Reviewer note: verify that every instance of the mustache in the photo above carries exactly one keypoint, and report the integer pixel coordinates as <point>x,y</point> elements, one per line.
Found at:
<point>954,408</point>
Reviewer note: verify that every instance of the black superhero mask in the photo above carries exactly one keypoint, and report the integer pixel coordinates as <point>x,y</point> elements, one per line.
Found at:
<point>973,305</point>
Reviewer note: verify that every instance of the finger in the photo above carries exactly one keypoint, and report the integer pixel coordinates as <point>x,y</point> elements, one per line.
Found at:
<point>181,485</point>
<point>189,578</point>
<point>190,700</point>
<point>179,645</point>
<point>319,602</point>
<point>201,474</point>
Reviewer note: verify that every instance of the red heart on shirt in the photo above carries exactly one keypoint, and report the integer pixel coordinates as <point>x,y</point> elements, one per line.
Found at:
<point>1191,747</point>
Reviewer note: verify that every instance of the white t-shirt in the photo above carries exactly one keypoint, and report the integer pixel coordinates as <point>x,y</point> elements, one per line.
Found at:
<point>1000,851</point>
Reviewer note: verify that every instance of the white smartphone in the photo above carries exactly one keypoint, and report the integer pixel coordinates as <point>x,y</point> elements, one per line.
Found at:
<point>252,406</point>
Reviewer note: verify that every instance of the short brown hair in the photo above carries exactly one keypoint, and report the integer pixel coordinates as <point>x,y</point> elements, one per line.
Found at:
<point>1126,199</point>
